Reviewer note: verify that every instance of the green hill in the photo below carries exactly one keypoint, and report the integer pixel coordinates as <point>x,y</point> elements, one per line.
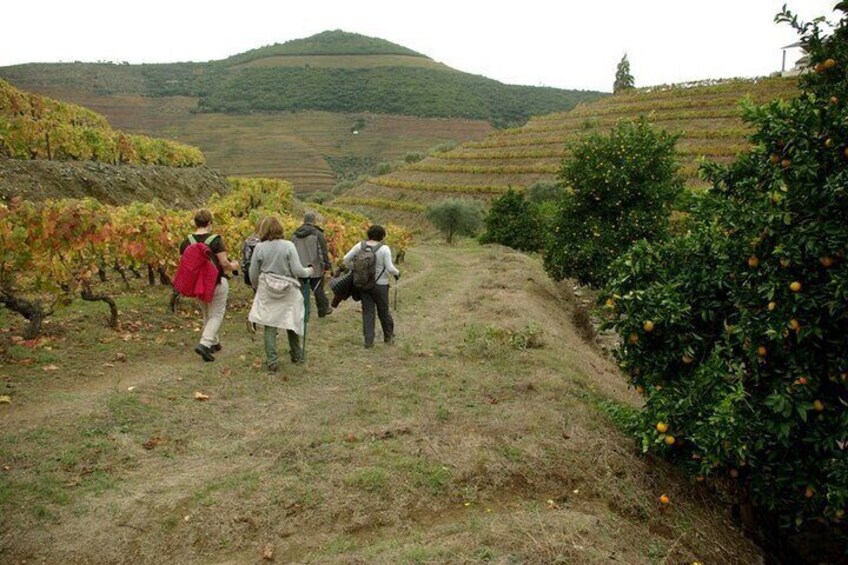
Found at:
<point>248,113</point>
<point>707,115</point>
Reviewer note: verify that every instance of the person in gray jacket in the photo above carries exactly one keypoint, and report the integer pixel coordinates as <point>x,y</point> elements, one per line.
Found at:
<point>311,248</point>
<point>278,303</point>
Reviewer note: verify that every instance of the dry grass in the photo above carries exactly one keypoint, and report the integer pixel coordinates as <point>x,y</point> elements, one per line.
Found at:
<point>478,437</point>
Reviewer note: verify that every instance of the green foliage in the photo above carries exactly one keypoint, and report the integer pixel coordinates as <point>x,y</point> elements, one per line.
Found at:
<point>384,168</point>
<point>623,78</point>
<point>351,167</point>
<point>622,186</point>
<point>746,359</point>
<point>456,216</point>
<point>514,222</point>
<point>544,191</point>
<point>413,157</point>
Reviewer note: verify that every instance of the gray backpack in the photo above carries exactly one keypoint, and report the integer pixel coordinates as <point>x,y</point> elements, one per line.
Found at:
<point>364,266</point>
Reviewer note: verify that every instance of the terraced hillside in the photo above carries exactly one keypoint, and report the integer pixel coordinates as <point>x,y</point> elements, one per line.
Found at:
<point>707,116</point>
<point>314,111</point>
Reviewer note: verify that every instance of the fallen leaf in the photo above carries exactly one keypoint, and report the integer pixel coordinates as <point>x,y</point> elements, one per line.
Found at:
<point>122,357</point>
<point>130,388</point>
<point>5,399</point>
<point>226,372</point>
<point>110,365</point>
<point>154,441</point>
<point>350,438</point>
<point>200,396</point>
<point>50,368</point>
<point>268,552</point>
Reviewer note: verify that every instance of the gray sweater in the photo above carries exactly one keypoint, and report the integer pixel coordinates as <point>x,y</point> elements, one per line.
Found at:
<point>277,256</point>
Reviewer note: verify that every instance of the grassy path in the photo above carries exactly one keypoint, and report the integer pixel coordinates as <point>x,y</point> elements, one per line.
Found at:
<point>480,436</point>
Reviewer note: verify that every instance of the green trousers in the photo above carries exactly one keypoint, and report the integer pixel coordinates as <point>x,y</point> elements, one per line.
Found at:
<point>271,345</point>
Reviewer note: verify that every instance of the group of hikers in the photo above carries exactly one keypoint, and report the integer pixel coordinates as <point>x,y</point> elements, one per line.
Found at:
<point>283,274</point>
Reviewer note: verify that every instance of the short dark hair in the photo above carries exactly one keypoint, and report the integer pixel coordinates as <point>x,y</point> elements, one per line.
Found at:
<point>376,233</point>
<point>202,218</point>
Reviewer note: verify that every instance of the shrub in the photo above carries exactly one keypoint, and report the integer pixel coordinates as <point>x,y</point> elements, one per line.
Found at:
<point>412,157</point>
<point>456,216</point>
<point>736,331</point>
<point>544,191</point>
<point>622,186</point>
<point>514,222</point>
<point>385,168</point>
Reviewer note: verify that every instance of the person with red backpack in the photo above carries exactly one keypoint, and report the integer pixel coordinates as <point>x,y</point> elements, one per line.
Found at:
<point>195,278</point>
<point>370,263</point>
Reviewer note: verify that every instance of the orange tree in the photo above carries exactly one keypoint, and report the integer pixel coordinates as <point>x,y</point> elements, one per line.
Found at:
<point>622,185</point>
<point>736,332</point>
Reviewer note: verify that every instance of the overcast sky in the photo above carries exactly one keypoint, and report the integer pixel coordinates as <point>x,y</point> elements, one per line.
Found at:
<point>561,43</point>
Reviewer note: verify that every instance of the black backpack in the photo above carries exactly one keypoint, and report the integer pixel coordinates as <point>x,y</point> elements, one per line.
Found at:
<point>364,267</point>
<point>246,254</point>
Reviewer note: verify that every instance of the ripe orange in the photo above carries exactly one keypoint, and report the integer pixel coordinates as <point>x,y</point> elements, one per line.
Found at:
<point>753,261</point>
<point>828,143</point>
<point>774,159</point>
<point>669,439</point>
<point>818,406</point>
<point>784,262</point>
<point>634,338</point>
<point>785,163</point>
<point>762,351</point>
<point>795,286</point>
<point>801,380</point>
<point>610,303</point>
<point>664,499</point>
<point>809,492</point>
<point>834,100</point>
<point>662,427</point>
<point>686,359</point>
<point>772,305</point>
<point>826,261</point>
<point>828,64</point>
<point>640,389</point>
<point>794,324</point>
<point>648,326</point>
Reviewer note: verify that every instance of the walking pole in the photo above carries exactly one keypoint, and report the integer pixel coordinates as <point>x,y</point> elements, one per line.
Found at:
<point>397,285</point>
<point>305,291</point>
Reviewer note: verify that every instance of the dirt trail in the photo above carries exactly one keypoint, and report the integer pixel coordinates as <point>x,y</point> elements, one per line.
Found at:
<point>456,443</point>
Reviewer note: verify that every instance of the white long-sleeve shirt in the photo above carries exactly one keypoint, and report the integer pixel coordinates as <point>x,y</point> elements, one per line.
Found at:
<point>382,261</point>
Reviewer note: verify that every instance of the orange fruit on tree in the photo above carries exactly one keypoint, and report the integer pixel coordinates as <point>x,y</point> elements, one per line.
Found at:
<point>818,406</point>
<point>669,439</point>
<point>795,286</point>
<point>687,359</point>
<point>828,143</point>
<point>772,305</point>
<point>662,427</point>
<point>801,380</point>
<point>784,262</point>
<point>826,261</point>
<point>634,338</point>
<point>785,163</point>
<point>664,499</point>
<point>809,492</point>
<point>648,326</point>
<point>794,324</point>
<point>753,261</point>
<point>762,351</point>
<point>828,64</point>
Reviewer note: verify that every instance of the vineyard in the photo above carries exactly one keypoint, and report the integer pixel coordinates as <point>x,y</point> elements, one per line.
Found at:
<point>37,127</point>
<point>706,115</point>
<point>55,249</point>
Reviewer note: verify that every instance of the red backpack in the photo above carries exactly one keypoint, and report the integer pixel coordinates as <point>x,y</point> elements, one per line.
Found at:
<point>197,274</point>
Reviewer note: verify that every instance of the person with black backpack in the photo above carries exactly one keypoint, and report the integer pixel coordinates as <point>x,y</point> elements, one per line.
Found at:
<point>370,263</point>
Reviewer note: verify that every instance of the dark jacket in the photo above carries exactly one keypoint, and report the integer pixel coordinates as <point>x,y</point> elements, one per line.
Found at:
<point>311,248</point>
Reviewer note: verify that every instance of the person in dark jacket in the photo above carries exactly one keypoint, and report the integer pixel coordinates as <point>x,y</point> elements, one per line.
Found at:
<point>311,248</point>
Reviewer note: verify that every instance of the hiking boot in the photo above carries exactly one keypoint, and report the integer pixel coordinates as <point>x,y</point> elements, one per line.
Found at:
<point>389,340</point>
<point>216,348</point>
<point>273,368</point>
<point>204,352</point>
<point>369,346</point>
<point>327,313</point>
